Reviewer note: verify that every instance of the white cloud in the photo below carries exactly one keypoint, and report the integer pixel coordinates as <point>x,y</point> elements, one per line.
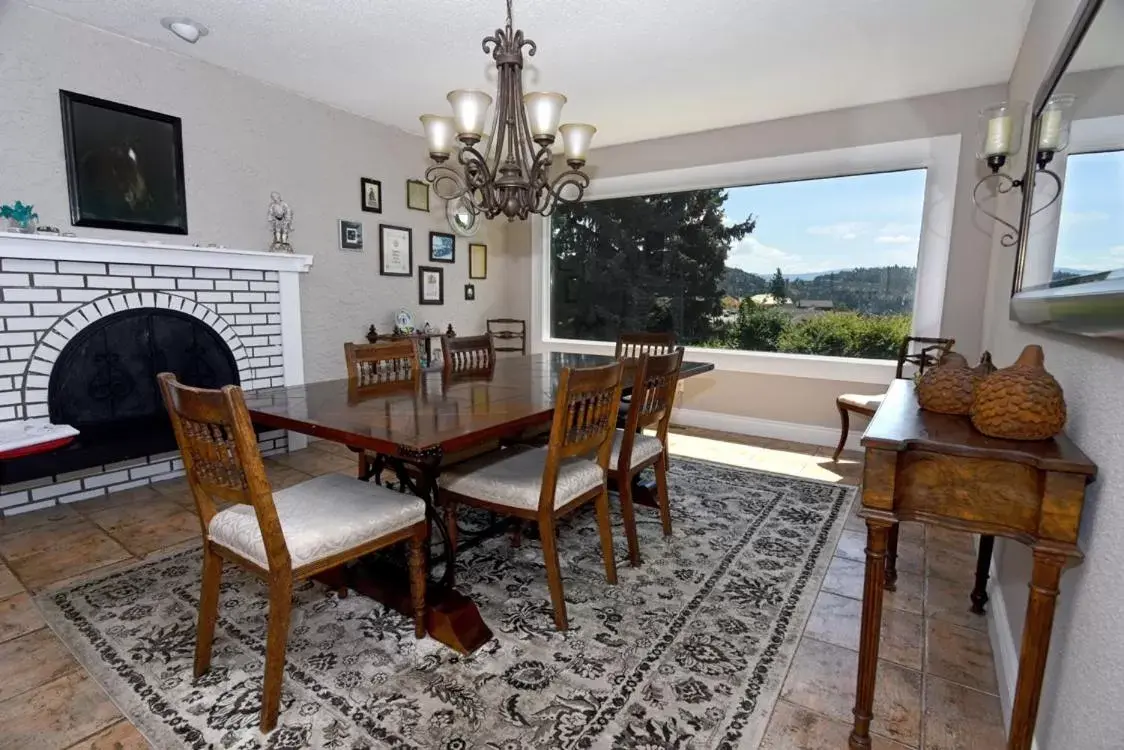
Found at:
<point>896,239</point>
<point>752,255</point>
<point>843,230</point>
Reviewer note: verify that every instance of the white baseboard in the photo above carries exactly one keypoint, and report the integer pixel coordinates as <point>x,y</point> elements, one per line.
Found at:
<point>813,434</point>
<point>1004,649</point>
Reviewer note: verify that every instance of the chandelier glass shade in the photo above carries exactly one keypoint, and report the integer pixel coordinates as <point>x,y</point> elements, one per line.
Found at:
<point>508,168</point>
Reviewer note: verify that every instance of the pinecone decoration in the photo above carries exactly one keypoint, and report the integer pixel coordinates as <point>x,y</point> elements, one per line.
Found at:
<point>949,387</point>
<point>1020,402</point>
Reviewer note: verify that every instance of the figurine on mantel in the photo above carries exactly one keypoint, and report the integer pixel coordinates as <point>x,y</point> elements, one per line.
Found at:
<point>372,335</point>
<point>281,221</point>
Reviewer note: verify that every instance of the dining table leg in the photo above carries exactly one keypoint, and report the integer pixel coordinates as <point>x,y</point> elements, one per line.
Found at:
<point>451,617</point>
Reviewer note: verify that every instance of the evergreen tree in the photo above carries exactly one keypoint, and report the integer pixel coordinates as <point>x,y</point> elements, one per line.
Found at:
<point>778,287</point>
<point>633,264</point>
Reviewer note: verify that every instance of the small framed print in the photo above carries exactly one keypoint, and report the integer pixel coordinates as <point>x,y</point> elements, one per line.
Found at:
<point>431,285</point>
<point>442,247</point>
<point>351,235</point>
<point>370,192</point>
<point>477,261</point>
<point>417,195</point>
<point>396,250</point>
<point>470,292</point>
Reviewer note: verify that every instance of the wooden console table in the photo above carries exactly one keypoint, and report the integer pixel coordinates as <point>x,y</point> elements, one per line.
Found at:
<point>937,469</point>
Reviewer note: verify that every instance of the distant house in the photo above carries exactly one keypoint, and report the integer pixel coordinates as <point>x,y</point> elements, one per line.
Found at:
<point>815,304</point>
<point>768,300</point>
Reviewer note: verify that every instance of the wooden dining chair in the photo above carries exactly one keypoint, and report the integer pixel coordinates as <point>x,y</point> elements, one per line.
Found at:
<point>928,354</point>
<point>653,395</point>
<point>509,330</point>
<point>632,344</point>
<point>373,367</point>
<point>468,354</point>
<point>280,537</point>
<point>546,484</point>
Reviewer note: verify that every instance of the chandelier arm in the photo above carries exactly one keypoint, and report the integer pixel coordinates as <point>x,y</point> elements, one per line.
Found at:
<point>571,177</point>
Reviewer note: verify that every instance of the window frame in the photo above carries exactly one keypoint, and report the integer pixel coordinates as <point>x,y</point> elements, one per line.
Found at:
<point>939,156</point>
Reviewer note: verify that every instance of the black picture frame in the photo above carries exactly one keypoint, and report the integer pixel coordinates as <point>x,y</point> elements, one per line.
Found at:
<point>351,235</point>
<point>383,257</point>
<point>423,273</point>
<point>366,187</point>
<point>446,240</point>
<point>470,292</point>
<point>415,190</point>
<point>104,141</point>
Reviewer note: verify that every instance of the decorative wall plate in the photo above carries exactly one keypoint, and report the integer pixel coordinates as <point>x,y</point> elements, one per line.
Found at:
<point>462,219</point>
<point>405,321</point>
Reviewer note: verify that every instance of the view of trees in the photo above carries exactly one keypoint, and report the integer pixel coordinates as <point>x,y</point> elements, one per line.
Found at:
<point>658,263</point>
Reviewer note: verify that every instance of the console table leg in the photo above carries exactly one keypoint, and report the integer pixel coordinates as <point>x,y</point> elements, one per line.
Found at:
<point>876,540</point>
<point>1035,647</point>
<point>891,583</point>
<point>983,569</point>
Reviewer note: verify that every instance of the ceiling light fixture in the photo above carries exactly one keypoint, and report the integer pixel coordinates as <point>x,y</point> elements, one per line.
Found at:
<point>186,29</point>
<point>510,173</point>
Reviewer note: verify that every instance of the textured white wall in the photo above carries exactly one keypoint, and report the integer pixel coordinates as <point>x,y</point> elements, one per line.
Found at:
<point>242,139</point>
<point>1084,689</point>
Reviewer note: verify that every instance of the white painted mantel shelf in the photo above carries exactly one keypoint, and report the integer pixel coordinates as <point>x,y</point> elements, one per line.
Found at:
<point>55,247</point>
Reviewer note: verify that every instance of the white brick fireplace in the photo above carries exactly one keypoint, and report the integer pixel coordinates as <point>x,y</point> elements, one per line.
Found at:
<point>53,288</point>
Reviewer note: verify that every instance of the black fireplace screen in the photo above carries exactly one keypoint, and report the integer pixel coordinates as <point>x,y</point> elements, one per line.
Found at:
<point>104,383</point>
<point>107,373</point>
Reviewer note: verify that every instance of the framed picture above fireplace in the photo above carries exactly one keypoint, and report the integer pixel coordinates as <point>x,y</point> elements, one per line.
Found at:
<point>124,166</point>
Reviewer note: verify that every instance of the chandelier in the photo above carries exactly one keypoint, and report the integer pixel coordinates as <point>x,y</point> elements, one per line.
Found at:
<point>508,170</point>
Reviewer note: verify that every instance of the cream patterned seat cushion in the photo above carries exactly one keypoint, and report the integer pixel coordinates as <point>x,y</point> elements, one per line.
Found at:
<point>863,401</point>
<point>515,479</point>
<point>643,448</point>
<point>319,518</point>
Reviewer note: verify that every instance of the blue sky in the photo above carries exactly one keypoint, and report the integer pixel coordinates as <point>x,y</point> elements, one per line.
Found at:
<point>1091,233</point>
<point>827,224</point>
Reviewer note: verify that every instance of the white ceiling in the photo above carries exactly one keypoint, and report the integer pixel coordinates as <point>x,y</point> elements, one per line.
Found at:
<point>637,69</point>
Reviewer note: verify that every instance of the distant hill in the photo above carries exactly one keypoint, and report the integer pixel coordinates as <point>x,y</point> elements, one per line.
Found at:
<point>738,283</point>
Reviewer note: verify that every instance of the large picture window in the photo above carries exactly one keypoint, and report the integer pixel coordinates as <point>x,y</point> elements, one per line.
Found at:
<point>1090,233</point>
<point>825,266</point>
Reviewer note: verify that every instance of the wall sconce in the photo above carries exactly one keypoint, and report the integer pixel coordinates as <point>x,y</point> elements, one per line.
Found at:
<point>1000,136</point>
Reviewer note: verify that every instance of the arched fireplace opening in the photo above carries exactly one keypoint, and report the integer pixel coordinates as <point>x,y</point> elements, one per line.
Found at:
<point>104,384</point>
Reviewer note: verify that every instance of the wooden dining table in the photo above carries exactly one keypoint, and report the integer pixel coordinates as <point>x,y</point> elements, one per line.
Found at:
<point>414,429</point>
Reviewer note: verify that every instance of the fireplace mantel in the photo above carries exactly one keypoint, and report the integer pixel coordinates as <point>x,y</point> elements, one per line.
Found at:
<point>54,247</point>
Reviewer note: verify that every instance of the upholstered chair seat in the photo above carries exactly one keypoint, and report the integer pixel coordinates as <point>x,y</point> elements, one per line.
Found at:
<point>319,518</point>
<point>514,479</point>
<point>644,448</point>
<point>862,401</point>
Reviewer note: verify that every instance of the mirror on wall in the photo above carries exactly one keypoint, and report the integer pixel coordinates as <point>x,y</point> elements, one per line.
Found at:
<point>1070,270</point>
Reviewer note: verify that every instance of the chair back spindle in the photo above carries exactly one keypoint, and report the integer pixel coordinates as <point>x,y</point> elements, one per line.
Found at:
<point>468,354</point>
<point>221,457</point>
<point>507,330</point>
<point>632,345</point>
<point>381,363</point>
<point>585,414</point>
<point>931,352</point>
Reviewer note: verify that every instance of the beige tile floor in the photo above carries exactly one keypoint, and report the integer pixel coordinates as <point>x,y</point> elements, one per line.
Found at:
<point>936,686</point>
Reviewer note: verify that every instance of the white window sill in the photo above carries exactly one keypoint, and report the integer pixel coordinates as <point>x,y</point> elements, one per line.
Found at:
<point>874,371</point>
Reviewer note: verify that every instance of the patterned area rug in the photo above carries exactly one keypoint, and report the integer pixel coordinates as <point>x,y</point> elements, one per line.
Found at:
<point>688,651</point>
